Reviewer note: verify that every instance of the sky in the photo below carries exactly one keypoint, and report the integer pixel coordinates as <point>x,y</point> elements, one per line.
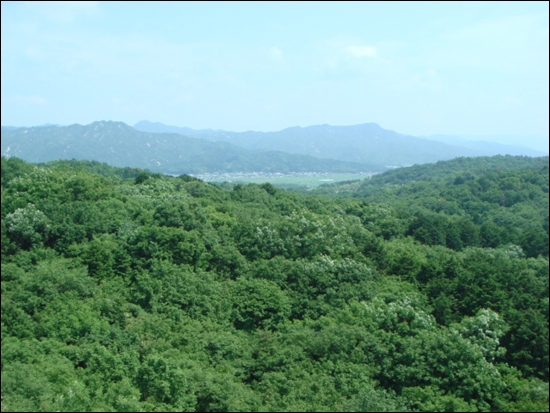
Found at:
<point>419,68</point>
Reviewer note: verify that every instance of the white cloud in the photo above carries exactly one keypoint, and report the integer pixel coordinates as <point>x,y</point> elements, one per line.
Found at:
<point>512,102</point>
<point>27,100</point>
<point>276,54</point>
<point>428,79</point>
<point>504,43</point>
<point>63,11</point>
<point>361,51</point>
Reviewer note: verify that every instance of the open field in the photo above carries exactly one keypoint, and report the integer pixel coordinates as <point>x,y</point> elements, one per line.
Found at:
<point>307,179</point>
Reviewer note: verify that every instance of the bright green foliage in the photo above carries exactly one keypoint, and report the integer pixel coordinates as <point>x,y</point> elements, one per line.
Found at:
<point>465,202</point>
<point>484,330</point>
<point>124,290</point>
<point>27,227</point>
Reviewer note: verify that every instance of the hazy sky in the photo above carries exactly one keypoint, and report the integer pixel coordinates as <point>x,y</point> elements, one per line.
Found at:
<point>415,67</point>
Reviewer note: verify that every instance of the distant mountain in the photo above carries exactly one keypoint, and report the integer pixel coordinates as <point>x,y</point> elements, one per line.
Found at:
<point>485,147</point>
<point>121,145</point>
<point>46,125</point>
<point>366,143</point>
<point>157,127</point>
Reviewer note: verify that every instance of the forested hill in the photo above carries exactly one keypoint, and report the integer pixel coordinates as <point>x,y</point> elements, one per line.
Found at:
<point>456,167</point>
<point>485,201</point>
<point>124,146</point>
<point>126,290</point>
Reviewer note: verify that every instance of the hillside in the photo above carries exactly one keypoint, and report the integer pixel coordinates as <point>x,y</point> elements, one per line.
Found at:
<point>126,290</point>
<point>485,201</point>
<point>121,145</point>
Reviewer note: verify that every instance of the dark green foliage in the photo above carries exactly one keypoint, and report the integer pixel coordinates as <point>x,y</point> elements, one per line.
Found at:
<point>126,290</point>
<point>465,202</point>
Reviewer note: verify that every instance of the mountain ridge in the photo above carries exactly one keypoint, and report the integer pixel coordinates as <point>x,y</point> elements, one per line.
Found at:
<point>364,143</point>
<point>121,145</point>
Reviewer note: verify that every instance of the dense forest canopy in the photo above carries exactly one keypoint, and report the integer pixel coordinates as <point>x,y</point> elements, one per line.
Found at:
<point>486,201</point>
<point>422,289</point>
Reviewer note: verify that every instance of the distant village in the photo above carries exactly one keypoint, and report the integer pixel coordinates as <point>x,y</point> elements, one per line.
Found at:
<point>230,176</point>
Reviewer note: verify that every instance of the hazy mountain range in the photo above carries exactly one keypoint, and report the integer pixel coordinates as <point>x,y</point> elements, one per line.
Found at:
<point>171,149</point>
<point>121,145</point>
<point>480,143</point>
<point>365,143</point>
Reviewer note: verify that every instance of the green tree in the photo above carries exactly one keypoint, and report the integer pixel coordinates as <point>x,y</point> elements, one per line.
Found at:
<point>28,227</point>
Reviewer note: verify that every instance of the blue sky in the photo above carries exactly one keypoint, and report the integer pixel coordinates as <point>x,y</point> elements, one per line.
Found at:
<point>420,68</point>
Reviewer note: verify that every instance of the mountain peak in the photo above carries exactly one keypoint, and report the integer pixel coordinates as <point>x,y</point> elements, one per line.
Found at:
<point>107,123</point>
